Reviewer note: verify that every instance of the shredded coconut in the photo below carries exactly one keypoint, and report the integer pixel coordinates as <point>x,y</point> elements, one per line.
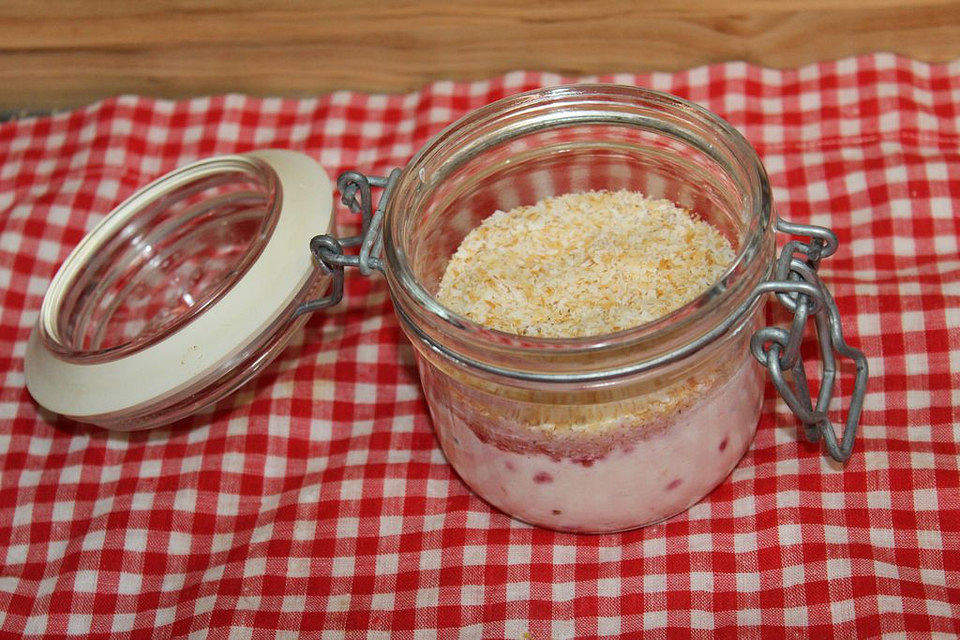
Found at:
<point>583,264</point>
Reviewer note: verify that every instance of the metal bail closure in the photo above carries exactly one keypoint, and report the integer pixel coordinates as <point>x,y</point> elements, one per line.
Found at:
<point>799,288</point>
<point>327,250</point>
<point>795,283</point>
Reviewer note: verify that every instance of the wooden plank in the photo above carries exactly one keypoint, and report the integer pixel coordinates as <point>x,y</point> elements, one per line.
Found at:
<point>61,53</point>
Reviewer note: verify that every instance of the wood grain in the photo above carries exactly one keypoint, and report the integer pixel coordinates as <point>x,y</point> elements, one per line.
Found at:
<point>61,53</point>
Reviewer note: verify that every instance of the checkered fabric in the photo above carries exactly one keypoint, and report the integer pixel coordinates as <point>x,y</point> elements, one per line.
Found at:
<point>316,502</point>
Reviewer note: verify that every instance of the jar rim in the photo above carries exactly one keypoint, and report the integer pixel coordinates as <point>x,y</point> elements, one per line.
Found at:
<point>560,106</point>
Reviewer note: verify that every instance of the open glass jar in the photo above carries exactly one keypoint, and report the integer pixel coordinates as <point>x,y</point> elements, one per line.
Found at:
<point>601,433</point>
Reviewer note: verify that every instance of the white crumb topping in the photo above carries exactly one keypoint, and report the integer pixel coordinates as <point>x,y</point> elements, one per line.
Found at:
<point>583,264</point>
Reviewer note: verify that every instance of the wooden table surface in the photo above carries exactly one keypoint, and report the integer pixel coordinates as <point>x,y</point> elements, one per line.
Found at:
<point>62,53</point>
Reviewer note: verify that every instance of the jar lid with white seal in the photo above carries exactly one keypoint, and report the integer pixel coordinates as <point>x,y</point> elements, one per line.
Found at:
<point>197,281</point>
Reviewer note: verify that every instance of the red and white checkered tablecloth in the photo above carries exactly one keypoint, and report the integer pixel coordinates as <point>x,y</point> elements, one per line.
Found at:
<point>316,500</point>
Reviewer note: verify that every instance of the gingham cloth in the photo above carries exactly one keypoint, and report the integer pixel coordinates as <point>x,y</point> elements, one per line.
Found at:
<point>316,501</point>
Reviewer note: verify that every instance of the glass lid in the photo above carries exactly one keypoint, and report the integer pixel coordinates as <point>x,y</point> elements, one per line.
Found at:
<point>183,292</point>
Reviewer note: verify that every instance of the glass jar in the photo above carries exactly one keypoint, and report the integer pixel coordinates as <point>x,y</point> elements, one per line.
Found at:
<point>600,433</point>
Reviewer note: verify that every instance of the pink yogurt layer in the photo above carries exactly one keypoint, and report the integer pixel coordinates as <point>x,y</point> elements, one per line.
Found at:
<point>647,475</point>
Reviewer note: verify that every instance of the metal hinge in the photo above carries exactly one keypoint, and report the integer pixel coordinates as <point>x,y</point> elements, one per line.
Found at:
<point>327,250</point>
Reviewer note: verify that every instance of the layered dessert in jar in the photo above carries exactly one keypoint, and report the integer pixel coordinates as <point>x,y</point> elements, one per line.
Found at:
<point>603,457</point>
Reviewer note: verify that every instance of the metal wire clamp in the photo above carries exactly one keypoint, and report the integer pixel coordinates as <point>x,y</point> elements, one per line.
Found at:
<point>327,250</point>
<point>779,349</point>
<point>795,282</point>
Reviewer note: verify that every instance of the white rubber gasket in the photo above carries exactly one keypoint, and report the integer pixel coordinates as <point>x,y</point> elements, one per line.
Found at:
<point>271,283</point>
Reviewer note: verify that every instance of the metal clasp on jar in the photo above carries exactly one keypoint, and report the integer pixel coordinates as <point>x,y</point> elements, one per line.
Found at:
<point>796,283</point>
<point>779,349</point>
<point>356,193</point>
